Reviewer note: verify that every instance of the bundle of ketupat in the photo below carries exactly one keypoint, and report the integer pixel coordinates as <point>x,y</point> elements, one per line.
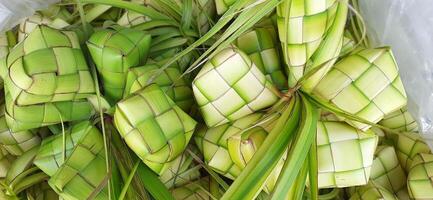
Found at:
<point>282,99</point>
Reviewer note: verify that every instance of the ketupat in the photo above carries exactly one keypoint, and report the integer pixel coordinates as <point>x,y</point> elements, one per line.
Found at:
<point>261,46</point>
<point>311,34</point>
<point>193,191</point>
<point>226,93</point>
<point>114,52</point>
<point>338,141</point>
<point>419,178</point>
<point>50,154</point>
<point>46,80</point>
<point>182,171</point>
<point>170,81</point>
<point>30,23</point>
<point>400,120</point>
<point>370,79</point>
<point>372,191</point>
<point>407,146</point>
<point>154,127</point>
<point>387,172</point>
<point>83,174</point>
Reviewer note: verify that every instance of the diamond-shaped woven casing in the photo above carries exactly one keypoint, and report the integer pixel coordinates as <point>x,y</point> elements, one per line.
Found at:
<point>6,160</point>
<point>400,120</point>
<point>261,46</point>
<point>153,126</point>
<point>309,24</point>
<point>345,154</point>
<point>212,143</point>
<point>196,190</point>
<point>16,143</point>
<point>204,13</point>
<point>30,23</point>
<point>372,191</point>
<point>181,171</point>
<point>169,81</point>
<point>230,86</point>
<point>114,52</point>
<point>48,66</point>
<point>420,177</point>
<point>407,146</point>
<point>387,172</point>
<point>223,5</point>
<point>365,84</point>
<point>83,171</point>
<point>50,154</point>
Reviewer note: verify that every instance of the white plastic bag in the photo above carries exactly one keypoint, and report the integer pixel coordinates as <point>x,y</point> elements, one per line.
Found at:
<point>13,11</point>
<point>407,26</point>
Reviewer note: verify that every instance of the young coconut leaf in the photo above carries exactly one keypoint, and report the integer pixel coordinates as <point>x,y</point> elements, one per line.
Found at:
<point>114,52</point>
<point>338,141</point>
<point>365,84</point>
<point>154,127</point>
<point>230,86</point>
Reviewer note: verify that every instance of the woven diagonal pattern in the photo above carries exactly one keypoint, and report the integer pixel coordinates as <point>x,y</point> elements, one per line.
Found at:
<point>400,120</point>
<point>338,141</point>
<point>307,27</point>
<point>50,154</point>
<point>204,13</point>
<point>130,19</point>
<point>407,146</point>
<point>181,171</point>
<point>193,191</point>
<point>230,86</point>
<point>16,143</point>
<point>48,66</point>
<point>261,46</point>
<point>83,171</point>
<point>387,171</point>
<point>372,191</point>
<point>169,81</point>
<point>153,126</point>
<point>20,118</point>
<point>213,145</point>
<point>6,160</point>
<point>370,79</point>
<point>30,23</point>
<point>420,177</point>
<point>114,52</point>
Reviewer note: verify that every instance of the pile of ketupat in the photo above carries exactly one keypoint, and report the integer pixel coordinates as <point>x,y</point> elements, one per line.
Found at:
<point>206,99</point>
